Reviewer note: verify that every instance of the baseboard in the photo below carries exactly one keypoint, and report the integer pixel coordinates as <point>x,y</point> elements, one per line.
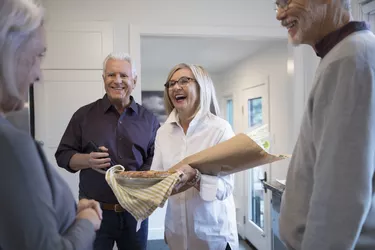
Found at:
<point>156,234</point>
<point>241,230</point>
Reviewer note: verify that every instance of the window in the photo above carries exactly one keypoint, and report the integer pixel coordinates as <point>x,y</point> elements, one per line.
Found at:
<point>364,10</point>
<point>368,6</point>
<point>367,9</point>
<point>255,114</point>
<point>255,110</point>
<point>229,111</point>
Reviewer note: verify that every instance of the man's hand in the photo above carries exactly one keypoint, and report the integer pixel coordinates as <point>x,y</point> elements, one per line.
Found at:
<point>99,159</point>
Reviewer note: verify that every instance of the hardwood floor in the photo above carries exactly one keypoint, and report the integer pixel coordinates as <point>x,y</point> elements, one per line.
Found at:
<point>160,245</point>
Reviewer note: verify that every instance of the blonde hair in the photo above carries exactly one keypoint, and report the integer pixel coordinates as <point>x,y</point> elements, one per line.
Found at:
<point>19,19</point>
<point>207,95</point>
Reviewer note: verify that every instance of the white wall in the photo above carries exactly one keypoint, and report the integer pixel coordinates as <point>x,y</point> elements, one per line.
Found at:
<point>122,13</point>
<point>372,22</point>
<point>152,80</point>
<point>290,71</point>
<point>271,62</point>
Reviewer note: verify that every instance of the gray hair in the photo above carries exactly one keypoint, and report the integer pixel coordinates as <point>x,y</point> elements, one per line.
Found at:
<point>208,101</point>
<point>19,19</point>
<point>123,57</point>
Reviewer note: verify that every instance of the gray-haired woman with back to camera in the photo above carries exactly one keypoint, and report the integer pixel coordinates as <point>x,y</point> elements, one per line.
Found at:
<point>37,210</point>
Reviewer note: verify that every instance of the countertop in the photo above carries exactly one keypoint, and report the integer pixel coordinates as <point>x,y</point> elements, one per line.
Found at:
<point>276,187</point>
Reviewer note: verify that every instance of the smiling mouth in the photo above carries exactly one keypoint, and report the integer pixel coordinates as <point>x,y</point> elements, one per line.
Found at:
<point>118,88</point>
<point>291,24</point>
<point>180,97</point>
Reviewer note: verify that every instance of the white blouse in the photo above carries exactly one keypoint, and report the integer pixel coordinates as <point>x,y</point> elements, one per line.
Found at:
<point>204,220</point>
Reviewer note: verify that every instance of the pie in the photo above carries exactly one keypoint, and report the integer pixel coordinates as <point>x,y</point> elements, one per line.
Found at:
<point>147,174</point>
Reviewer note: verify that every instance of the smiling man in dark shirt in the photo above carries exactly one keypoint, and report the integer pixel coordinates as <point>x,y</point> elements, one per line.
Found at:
<point>125,132</point>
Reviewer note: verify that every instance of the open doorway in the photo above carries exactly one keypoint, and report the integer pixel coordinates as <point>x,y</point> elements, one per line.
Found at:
<point>159,54</point>
<point>232,64</point>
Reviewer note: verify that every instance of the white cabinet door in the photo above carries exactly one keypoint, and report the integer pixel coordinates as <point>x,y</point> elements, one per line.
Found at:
<point>72,77</point>
<point>77,46</point>
<point>57,98</point>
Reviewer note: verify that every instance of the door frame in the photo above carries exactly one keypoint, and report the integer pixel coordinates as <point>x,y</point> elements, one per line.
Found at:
<point>239,180</point>
<point>136,31</point>
<point>223,100</point>
<point>246,181</point>
<point>235,32</point>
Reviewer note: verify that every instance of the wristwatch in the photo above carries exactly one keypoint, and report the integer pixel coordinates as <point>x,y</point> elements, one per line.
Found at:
<point>196,178</point>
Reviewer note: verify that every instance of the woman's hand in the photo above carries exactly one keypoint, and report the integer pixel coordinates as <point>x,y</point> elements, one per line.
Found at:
<point>187,174</point>
<point>85,203</point>
<point>91,215</point>
<point>90,210</point>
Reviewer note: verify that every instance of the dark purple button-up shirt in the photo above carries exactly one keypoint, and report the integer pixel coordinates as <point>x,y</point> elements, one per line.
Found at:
<point>129,138</point>
<point>331,40</point>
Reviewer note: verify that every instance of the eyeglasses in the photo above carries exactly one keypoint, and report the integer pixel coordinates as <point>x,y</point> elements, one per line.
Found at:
<point>183,81</point>
<point>282,4</point>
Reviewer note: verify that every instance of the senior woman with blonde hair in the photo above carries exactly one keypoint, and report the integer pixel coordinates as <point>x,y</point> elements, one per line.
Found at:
<point>201,213</point>
<point>37,210</point>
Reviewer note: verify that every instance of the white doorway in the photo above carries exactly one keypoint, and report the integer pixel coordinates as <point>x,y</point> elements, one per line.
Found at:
<point>231,83</point>
<point>159,54</point>
<point>255,107</point>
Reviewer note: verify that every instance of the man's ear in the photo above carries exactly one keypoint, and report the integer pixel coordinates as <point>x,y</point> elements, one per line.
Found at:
<point>103,77</point>
<point>135,81</point>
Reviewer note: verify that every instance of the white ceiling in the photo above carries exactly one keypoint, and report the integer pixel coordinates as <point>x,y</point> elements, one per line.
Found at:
<point>215,54</point>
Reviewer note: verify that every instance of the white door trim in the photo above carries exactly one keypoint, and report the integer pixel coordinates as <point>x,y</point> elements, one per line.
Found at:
<point>267,168</point>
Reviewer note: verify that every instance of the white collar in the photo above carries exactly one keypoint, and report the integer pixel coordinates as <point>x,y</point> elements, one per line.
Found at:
<point>174,118</point>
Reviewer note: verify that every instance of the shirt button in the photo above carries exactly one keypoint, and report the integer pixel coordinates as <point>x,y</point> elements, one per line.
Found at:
<point>120,156</point>
<point>120,122</point>
<point>120,138</point>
